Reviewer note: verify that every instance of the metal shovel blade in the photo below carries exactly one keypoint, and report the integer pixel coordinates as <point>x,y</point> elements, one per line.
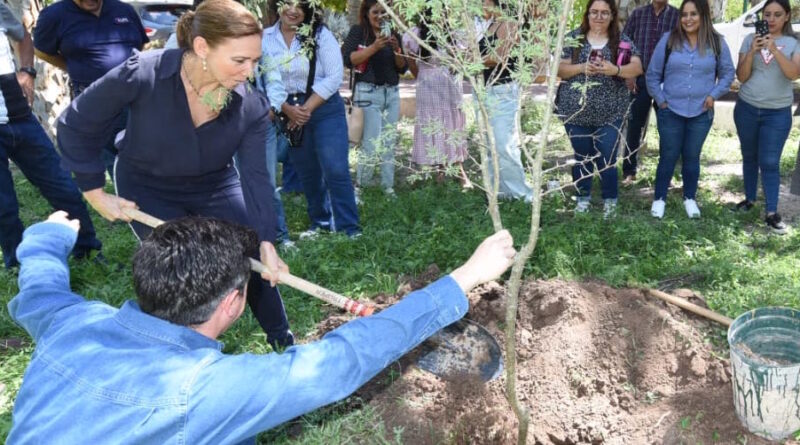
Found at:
<point>462,349</point>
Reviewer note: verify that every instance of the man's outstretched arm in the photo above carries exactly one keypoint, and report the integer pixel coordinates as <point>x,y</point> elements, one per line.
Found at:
<point>238,396</point>
<point>44,275</point>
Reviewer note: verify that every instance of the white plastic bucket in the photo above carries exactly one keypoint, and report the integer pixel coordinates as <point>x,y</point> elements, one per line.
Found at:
<point>765,359</point>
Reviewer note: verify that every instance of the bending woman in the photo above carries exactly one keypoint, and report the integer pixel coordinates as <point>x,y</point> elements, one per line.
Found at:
<point>190,112</point>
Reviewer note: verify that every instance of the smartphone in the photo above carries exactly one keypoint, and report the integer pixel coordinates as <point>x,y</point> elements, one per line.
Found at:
<point>386,28</point>
<point>596,56</point>
<point>762,28</point>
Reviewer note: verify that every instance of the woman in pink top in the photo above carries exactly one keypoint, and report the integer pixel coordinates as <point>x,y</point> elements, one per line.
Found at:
<point>439,136</point>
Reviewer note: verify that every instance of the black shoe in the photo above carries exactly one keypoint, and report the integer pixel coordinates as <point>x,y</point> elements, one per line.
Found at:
<point>775,224</point>
<point>743,206</point>
<point>282,341</point>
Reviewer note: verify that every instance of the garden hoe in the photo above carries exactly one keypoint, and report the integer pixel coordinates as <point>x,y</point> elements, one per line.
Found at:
<point>464,349</point>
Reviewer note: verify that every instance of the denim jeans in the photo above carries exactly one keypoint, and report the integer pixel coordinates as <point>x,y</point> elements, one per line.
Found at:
<point>595,146</point>
<point>290,182</point>
<point>25,142</point>
<point>682,137</point>
<point>637,125</point>
<point>503,107</point>
<point>381,104</point>
<point>323,166</point>
<point>281,231</point>
<point>762,134</point>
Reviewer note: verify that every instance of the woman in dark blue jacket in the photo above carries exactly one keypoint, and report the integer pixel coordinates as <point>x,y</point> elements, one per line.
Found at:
<point>190,112</point>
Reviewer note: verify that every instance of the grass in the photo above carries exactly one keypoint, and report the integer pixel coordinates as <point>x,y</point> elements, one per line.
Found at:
<point>729,258</point>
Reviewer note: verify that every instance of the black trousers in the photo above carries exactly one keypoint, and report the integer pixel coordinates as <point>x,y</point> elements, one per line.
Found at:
<point>218,195</point>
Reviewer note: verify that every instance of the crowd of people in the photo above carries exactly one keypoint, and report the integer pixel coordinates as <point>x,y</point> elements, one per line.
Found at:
<point>672,59</point>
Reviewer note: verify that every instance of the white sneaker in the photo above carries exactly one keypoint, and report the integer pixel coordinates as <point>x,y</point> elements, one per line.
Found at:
<point>657,210</point>
<point>309,235</point>
<point>692,211</point>
<point>609,208</point>
<point>389,193</point>
<point>582,206</point>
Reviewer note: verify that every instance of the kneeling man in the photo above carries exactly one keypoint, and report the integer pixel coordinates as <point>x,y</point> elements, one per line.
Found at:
<point>153,371</point>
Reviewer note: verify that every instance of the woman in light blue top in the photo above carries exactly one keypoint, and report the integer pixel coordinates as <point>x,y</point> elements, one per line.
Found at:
<point>322,158</point>
<point>768,64</point>
<point>691,67</point>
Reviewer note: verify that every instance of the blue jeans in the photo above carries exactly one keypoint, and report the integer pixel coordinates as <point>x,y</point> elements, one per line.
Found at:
<point>503,107</point>
<point>25,142</point>
<point>682,137</point>
<point>281,231</point>
<point>323,166</point>
<point>595,146</point>
<point>381,104</point>
<point>762,134</point>
<point>637,124</point>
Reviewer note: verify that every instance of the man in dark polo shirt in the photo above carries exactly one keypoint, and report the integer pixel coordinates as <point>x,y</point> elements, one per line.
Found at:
<point>88,38</point>
<point>23,141</point>
<point>645,26</point>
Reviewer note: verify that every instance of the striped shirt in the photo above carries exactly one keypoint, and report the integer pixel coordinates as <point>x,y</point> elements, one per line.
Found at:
<point>646,28</point>
<point>293,65</point>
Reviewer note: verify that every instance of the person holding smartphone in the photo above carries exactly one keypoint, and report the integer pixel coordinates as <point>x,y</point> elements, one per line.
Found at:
<point>593,99</point>
<point>768,63</point>
<point>373,42</point>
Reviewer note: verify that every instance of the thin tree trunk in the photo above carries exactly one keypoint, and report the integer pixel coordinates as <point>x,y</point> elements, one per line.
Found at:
<point>352,11</point>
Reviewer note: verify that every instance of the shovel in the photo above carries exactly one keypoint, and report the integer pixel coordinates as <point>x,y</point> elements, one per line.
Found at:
<point>462,349</point>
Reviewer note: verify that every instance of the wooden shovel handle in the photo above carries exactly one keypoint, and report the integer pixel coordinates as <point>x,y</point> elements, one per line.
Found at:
<point>680,302</point>
<point>330,297</point>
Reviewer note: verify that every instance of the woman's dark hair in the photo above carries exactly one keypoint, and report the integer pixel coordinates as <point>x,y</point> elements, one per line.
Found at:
<point>185,267</point>
<point>707,36</point>
<point>311,16</point>
<point>613,26</point>
<point>787,27</point>
<point>216,21</point>
<point>363,19</point>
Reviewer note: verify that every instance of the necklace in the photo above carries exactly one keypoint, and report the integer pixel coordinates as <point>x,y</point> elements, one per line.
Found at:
<point>186,75</point>
<point>215,99</point>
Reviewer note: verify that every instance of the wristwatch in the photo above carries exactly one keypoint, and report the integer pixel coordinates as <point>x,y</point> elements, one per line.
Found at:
<point>28,69</point>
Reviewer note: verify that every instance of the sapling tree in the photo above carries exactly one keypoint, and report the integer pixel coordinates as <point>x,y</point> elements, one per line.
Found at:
<point>535,31</point>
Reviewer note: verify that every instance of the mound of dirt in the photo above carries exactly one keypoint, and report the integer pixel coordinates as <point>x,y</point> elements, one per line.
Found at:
<point>596,365</point>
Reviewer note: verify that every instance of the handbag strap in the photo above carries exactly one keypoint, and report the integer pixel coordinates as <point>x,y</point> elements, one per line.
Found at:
<point>312,69</point>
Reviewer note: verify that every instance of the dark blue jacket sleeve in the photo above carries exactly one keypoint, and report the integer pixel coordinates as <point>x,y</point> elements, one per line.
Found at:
<point>256,183</point>
<point>90,120</point>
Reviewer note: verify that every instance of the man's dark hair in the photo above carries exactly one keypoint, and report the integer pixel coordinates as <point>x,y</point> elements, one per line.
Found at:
<point>185,267</point>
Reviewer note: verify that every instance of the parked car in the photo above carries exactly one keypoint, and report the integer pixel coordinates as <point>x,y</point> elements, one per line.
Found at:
<point>160,16</point>
<point>735,31</point>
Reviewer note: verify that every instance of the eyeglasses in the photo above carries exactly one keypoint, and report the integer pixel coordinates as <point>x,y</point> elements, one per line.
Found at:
<point>595,14</point>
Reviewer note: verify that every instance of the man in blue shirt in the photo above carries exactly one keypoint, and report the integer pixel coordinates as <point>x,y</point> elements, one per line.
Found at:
<point>153,372</point>
<point>87,38</point>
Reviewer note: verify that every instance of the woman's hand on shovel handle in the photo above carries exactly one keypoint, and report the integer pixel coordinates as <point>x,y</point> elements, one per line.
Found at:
<point>492,257</point>
<point>275,265</point>
<point>109,206</point>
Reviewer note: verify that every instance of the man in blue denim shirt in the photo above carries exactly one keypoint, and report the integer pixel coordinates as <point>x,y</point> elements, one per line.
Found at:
<point>152,371</point>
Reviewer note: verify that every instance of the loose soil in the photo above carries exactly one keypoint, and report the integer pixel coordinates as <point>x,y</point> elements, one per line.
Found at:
<point>597,365</point>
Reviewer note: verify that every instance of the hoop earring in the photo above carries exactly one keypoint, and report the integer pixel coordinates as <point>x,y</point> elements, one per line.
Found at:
<point>205,65</point>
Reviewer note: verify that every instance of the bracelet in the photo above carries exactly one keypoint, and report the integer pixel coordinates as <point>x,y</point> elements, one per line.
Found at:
<point>619,70</point>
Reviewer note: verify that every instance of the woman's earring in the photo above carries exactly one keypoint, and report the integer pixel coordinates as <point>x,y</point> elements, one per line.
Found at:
<point>205,65</point>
